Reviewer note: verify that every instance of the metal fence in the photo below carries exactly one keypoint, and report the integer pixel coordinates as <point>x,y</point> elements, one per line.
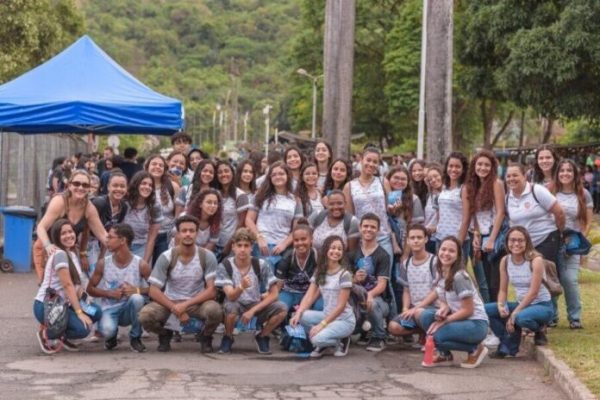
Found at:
<point>24,164</point>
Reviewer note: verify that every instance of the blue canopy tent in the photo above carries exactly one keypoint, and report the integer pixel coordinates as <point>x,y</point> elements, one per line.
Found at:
<point>83,90</point>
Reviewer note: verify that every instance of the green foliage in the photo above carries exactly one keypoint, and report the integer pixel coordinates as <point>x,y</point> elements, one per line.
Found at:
<point>32,31</point>
<point>203,52</point>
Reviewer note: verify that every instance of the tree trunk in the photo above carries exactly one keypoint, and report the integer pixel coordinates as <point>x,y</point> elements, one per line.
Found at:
<point>548,131</point>
<point>522,133</point>
<point>338,65</point>
<point>438,91</point>
<point>502,129</point>
<point>488,112</point>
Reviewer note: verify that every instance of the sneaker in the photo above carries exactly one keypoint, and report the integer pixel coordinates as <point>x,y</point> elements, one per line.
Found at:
<point>43,346</point>
<point>177,337</point>
<point>262,344</point>
<point>475,358</point>
<point>70,346</point>
<point>420,343</point>
<point>226,344</point>
<point>220,328</point>
<point>491,340</point>
<point>376,344</point>
<point>318,352</point>
<point>540,339</point>
<point>439,360</point>
<point>110,343</point>
<point>136,345</point>
<point>164,342</point>
<point>205,344</point>
<point>575,324</point>
<point>363,340</point>
<point>342,348</point>
<point>498,355</point>
<point>553,323</point>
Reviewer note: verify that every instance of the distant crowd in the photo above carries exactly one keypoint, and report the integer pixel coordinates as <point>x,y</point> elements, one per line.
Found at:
<point>316,251</point>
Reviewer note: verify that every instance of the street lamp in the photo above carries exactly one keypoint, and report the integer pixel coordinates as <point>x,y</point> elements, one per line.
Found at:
<point>314,79</point>
<point>266,110</point>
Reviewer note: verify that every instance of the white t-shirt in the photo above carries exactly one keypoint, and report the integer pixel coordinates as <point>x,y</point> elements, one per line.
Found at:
<point>275,218</point>
<point>570,205</point>
<point>229,217</point>
<point>461,289</point>
<point>330,291</point>
<point>533,215</point>
<point>520,275</point>
<point>55,262</point>
<point>451,213</point>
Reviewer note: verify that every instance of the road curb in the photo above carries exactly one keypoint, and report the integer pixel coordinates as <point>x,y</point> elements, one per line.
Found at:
<point>560,372</point>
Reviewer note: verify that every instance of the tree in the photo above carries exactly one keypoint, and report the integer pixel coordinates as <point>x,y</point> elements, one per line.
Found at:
<point>32,31</point>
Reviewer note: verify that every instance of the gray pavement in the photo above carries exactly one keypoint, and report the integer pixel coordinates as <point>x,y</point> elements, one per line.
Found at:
<point>92,373</point>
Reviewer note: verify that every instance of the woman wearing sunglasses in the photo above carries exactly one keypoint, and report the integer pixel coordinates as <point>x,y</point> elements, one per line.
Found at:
<point>74,205</point>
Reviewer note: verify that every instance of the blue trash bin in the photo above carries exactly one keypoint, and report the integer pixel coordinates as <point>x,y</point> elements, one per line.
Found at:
<point>18,229</point>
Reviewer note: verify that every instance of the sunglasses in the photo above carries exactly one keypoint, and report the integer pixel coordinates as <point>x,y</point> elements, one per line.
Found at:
<point>77,184</point>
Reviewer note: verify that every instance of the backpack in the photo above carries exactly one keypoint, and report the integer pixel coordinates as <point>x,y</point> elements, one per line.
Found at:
<point>295,340</point>
<point>431,266</point>
<point>550,279</point>
<point>175,258</point>
<point>254,261</point>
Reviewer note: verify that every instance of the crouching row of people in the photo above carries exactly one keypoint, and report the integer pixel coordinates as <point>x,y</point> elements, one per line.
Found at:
<point>317,287</point>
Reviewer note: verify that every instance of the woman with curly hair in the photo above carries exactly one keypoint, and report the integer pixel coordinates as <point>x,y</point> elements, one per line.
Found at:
<point>308,192</point>
<point>144,215</point>
<point>165,193</point>
<point>486,200</point>
<point>207,206</point>
<point>205,177</point>
<point>273,213</point>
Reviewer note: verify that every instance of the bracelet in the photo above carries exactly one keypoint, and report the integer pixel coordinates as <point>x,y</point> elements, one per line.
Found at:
<point>83,253</point>
<point>323,323</point>
<point>79,312</point>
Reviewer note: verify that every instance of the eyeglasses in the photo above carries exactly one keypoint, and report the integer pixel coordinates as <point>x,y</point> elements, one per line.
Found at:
<point>77,184</point>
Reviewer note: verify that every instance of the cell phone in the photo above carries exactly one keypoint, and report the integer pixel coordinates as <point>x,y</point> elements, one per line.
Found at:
<point>408,324</point>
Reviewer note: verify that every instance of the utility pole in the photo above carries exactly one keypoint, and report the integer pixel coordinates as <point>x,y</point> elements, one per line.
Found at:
<point>338,68</point>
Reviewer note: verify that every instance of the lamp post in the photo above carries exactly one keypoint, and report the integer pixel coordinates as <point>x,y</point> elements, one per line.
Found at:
<point>314,79</point>
<point>266,111</point>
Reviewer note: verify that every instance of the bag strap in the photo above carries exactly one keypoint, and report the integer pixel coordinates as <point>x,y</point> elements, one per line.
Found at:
<point>347,222</point>
<point>255,261</point>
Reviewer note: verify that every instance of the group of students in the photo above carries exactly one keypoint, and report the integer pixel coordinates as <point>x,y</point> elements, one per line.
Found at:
<point>334,249</point>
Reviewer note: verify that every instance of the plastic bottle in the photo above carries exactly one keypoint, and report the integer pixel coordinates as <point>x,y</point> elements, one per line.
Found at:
<point>429,348</point>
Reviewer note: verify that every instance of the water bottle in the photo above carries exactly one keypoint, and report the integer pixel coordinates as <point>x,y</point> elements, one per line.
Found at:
<point>429,348</point>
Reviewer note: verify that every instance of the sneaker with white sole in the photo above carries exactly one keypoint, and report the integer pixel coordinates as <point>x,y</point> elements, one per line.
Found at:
<point>43,345</point>
<point>376,344</point>
<point>475,358</point>
<point>341,349</point>
<point>70,346</point>
<point>318,352</point>
<point>491,340</point>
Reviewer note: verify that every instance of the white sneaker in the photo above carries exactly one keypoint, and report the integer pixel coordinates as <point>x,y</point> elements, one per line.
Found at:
<point>491,340</point>
<point>341,349</point>
<point>220,328</point>
<point>318,352</point>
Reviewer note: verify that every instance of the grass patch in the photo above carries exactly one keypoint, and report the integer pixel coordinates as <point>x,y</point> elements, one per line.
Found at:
<point>580,349</point>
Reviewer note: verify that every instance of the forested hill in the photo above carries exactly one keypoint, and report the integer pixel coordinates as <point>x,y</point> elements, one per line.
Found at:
<point>202,51</point>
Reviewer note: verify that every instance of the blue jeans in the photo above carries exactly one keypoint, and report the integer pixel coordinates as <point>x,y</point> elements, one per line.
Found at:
<point>75,328</point>
<point>123,315</point>
<point>377,316</point>
<point>331,334</point>
<point>568,270</point>
<point>479,272</point>
<point>272,259</point>
<point>462,335</point>
<point>532,317</point>
<point>385,241</point>
<point>160,246</point>
<point>291,300</point>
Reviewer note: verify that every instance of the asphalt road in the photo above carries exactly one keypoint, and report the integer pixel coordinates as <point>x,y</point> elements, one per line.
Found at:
<point>92,373</point>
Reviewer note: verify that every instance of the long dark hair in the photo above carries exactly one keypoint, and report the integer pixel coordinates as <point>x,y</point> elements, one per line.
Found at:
<point>195,209</point>
<point>530,251</point>
<point>266,191</point>
<point>419,187</point>
<point>326,143</point>
<point>465,166</point>
<point>329,183</point>
<point>322,262</point>
<point>219,186</point>
<point>538,174</point>
<point>407,193</point>
<point>55,239</point>
<point>166,186</point>
<point>456,266</point>
<point>197,182</point>
<point>296,149</point>
<point>133,192</point>
<point>481,191</point>
<point>582,216</point>
<point>302,190</point>
<point>240,169</point>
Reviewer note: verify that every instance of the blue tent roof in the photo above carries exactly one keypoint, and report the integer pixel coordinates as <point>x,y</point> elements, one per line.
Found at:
<point>83,90</point>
